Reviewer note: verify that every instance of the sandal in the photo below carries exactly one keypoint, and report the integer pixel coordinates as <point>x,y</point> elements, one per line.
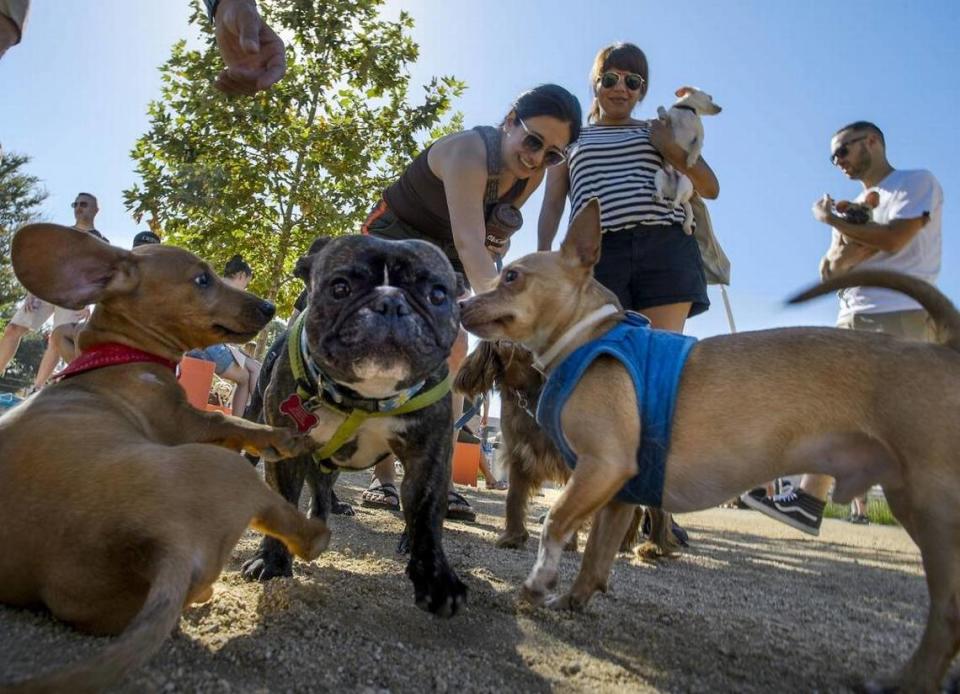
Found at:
<point>458,508</point>
<point>498,485</point>
<point>381,496</point>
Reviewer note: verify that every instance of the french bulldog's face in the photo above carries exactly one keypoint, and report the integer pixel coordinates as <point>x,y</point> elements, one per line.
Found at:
<point>383,315</point>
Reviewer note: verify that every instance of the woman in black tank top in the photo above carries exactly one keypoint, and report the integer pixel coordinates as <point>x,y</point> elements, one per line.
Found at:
<point>462,194</point>
<point>462,186</point>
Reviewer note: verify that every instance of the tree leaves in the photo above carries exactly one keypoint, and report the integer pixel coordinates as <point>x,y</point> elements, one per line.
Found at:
<point>263,176</point>
<point>20,198</point>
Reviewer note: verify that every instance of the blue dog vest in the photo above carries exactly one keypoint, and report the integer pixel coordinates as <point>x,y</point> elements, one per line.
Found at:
<point>654,359</point>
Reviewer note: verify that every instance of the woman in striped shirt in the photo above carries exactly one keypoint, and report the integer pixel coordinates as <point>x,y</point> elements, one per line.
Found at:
<point>646,258</point>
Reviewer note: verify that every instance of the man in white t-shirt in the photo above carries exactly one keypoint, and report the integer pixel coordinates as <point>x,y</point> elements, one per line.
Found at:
<point>34,312</point>
<point>904,231</point>
<point>904,235</point>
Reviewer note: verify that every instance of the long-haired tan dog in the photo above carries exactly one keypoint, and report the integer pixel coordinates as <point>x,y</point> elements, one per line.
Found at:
<point>529,454</point>
<point>752,407</point>
<point>119,502</point>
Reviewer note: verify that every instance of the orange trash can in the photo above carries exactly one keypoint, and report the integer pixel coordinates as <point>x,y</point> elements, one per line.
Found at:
<point>196,376</point>
<point>466,463</point>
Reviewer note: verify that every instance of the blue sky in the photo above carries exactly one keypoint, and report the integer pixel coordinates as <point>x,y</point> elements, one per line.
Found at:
<point>74,97</point>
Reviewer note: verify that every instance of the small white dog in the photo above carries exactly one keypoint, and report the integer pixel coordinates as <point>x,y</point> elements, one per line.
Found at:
<point>684,117</point>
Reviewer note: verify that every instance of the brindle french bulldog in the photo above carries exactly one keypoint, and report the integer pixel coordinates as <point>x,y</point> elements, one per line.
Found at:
<point>374,341</point>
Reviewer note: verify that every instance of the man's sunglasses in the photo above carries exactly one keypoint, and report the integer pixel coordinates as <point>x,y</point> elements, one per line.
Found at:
<point>633,81</point>
<point>82,203</point>
<point>534,143</point>
<point>843,150</point>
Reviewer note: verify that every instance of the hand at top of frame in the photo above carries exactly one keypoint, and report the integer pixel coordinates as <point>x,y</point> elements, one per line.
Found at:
<point>251,50</point>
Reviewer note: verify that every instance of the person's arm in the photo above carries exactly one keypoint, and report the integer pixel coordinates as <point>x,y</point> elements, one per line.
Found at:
<point>252,52</point>
<point>554,198</point>
<point>13,17</point>
<point>843,254</point>
<point>889,237</point>
<point>461,163</point>
<point>700,174</point>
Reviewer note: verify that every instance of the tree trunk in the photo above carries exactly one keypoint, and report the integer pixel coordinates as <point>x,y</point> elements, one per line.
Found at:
<point>286,227</point>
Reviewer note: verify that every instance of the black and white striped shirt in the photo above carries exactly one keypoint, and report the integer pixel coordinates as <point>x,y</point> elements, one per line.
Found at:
<point>617,163</point>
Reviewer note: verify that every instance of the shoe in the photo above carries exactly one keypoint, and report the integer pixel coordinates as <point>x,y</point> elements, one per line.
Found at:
<point>797,509</point>
<point>858,519</point>
<point>458,508</point>
<point>381,496</point>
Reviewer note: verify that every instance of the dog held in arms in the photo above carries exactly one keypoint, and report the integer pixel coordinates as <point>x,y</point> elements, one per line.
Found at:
<point>749,408</point>
<point>119,502</point>
<point>529,454</point>
<point>364,372</point>
<point>684,118</point>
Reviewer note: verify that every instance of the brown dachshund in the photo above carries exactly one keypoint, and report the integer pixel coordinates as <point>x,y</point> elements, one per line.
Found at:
<point>119,502</point>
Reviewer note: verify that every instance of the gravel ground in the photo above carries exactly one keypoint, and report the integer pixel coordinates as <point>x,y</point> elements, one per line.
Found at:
<point>751,606</point>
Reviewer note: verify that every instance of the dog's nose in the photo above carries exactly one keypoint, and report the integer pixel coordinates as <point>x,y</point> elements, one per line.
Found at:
<point>391,304</point>
<point>267,309</point>
<point>462,304</point>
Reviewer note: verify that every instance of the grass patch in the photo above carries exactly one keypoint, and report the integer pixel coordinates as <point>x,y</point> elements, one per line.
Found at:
<point>878,511</point>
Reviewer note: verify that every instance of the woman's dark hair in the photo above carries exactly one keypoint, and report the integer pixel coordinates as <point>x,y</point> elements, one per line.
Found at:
<point>551,100</point>
<point>237,266</point>
<point>619,56</point>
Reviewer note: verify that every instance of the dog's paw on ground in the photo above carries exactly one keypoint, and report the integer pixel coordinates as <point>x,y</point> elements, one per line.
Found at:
<point>512,541</point>
<point>443,596</point>
<point>266,564</point>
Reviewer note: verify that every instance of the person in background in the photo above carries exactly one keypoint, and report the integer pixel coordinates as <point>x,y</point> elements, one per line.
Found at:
<point>145,238</point>
<point>487,450</point>
<point>253,54</point>
<point>13,19</point>
<point>463,194</point>
<point>646,258</point>
<point>904,235</point>
<point>34,312</point>
<point>229,362</point>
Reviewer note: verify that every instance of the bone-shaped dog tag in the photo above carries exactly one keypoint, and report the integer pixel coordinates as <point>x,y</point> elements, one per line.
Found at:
<point>302,417</point>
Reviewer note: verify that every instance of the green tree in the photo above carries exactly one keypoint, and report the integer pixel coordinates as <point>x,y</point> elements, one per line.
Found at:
<point>264,176</point>
<point>20,198</point>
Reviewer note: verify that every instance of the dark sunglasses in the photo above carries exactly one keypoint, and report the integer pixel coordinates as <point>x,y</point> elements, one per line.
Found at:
<point>82,203</point>
<point>534,143</point>
<point>633,81</point>
<point>843,150</point>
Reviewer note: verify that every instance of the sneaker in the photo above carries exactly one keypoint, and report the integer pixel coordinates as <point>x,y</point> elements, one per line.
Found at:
<point>795,508</point>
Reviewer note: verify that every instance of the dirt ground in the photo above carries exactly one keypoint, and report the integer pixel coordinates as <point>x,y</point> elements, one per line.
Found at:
<point>751,606</point>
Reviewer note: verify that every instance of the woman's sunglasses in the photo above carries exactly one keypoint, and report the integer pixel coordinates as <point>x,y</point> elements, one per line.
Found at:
<point>633,81</point>
<point>843,150</point>
<point>534,143</point>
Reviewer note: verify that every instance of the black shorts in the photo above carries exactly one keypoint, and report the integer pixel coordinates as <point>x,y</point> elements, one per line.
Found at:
<point>648,266</point>
<point>384,224</point>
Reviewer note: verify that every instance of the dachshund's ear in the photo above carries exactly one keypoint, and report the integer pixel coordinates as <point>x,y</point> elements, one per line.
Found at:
<point>872,200</point>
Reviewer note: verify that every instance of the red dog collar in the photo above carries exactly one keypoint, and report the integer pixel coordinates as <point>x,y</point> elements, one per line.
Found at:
<point>111,354</point>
